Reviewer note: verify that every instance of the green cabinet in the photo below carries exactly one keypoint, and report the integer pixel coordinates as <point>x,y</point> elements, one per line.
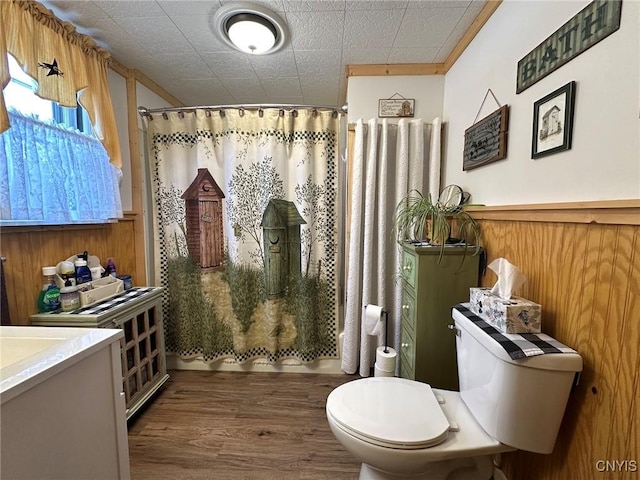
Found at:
<point>431,285</point>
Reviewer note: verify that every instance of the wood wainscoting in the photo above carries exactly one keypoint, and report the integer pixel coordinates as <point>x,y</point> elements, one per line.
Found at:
<point>586,276</point>
<point>28,249</point>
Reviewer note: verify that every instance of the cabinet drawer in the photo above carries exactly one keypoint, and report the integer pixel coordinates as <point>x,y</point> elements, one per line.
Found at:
<point>408,309</point>
<point>407,347</point>
<point>408,268</point>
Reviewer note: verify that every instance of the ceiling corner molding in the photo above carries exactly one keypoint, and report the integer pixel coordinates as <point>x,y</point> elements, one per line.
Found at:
<point>386,69</point>
<point>489,8</point>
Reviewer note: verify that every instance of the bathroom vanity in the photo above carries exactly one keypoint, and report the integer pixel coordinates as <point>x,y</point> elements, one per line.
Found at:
<point>62,409</point>
<point>138,313</point>
<point>431,286</point>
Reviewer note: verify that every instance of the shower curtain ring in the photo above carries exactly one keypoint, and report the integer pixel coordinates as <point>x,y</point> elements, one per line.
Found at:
<point>222,113</point>
<point>165,116</point>
<point>281,112</point>
<point>241,112</point>
<point>294,113</point>
<point>260,112</point>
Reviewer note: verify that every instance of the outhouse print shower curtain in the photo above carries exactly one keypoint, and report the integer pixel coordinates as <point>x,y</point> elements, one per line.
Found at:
<point>245,231</point>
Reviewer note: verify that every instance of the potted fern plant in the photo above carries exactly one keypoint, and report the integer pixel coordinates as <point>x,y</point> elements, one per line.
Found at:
<point>417,218</point>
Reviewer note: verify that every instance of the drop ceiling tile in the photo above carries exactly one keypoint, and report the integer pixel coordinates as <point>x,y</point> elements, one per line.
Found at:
<point>318,62</point>
<point>312,6</point>
<point>188,7</point>
<point>230,65</point>
<point>365,55</point>
<point>279,64</point>
<point>376,4</point>
<point>156,34</point>
<point>130,8</point>
<point>439,3</point>
<point>427,27</point>
<point>73,11</point>
<point>322,30</point>
<point>281,86</point>
<point>413,55</point>
<point>371,29</point>
<point>275,5</point>
<point>196,29</point>
<point>244,90</point>
<point>312,85</point>
<point>184,65</point>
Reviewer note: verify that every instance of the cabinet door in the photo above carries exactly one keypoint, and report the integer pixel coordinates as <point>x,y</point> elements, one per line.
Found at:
<point>407,353</point>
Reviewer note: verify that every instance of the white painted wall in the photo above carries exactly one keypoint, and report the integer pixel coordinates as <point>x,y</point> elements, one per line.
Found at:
<point>363,94</point>
<point>118,89</point>
<point>604,161</point>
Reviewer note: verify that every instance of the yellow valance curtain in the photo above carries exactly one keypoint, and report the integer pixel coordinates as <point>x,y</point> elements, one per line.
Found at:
<point>35,36</point>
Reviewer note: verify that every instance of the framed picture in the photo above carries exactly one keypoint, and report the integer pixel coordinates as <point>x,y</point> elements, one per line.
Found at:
<point>396,107</point>
<point>553,122</point>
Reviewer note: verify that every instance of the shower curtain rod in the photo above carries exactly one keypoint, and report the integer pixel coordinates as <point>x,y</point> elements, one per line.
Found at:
<point>144,111</point>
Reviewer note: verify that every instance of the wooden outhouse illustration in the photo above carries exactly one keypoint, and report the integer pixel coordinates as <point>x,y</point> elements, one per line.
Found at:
<point>203,208</point>
<point>282,246</point>
<point>551,122</point>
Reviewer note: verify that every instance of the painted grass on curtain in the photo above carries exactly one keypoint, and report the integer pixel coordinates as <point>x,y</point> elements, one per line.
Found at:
<point>245,223</point>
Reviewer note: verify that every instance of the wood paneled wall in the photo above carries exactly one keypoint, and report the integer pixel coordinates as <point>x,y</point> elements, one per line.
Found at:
<point>28,250</point>
<point>587,278</point>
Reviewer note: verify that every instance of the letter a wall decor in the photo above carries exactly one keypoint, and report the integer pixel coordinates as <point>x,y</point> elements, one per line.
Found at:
<point>593,23</point>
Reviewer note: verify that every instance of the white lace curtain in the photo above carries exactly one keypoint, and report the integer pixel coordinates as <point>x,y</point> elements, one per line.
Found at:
<point>51,175</point>
<point>388,162</point>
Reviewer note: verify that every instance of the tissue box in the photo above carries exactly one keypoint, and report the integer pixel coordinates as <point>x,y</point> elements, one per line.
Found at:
<point>517,315</point>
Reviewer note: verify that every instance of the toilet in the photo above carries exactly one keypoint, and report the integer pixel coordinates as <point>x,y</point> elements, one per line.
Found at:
<point>403,429</point>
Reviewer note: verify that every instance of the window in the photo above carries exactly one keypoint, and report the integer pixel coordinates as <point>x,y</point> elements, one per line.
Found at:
<point>52,170</point>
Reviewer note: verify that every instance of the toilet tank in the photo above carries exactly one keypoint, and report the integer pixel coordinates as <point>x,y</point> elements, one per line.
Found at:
<point>518,402</point>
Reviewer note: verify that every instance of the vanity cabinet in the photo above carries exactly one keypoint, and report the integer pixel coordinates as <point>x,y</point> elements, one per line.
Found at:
<point>431,285</point>
<point>138,313</point>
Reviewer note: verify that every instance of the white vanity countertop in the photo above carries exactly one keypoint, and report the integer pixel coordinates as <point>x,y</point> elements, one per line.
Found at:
<point>30,355</point>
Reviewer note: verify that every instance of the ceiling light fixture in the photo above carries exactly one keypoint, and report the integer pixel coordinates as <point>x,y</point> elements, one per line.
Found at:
<point>249,28</point>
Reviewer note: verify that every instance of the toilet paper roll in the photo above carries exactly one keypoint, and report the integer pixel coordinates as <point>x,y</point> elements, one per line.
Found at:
<point>386,361</point>
<point>381,373</point>
<point>373,323</point>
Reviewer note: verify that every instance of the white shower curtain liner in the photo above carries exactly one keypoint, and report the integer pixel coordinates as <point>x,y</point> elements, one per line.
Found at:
<point>388,162</point>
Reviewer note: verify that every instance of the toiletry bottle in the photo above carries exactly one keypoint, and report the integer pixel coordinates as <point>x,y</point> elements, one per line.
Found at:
<point>49,297</point>
<point>67,272</point>
<point>111,268</point>
<point>69,297</point>
<point>83,274</point>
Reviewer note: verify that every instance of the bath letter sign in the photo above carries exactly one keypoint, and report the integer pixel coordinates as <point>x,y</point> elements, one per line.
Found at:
<point>593,23</point>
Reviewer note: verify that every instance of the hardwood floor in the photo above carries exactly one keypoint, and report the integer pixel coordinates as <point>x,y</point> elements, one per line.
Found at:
<point>239,426</point>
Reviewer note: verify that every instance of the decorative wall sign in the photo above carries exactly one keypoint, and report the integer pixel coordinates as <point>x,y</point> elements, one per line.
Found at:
<point>553,122</point>
<point>396,107</point>
<point>486,141</point>
<point>593,23</point>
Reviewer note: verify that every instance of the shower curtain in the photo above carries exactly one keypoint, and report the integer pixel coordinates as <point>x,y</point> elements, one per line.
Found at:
<point>245,231</point>
<point>388,161</point>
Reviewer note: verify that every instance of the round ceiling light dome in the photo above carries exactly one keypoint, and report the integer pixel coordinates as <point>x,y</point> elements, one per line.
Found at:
<point>249,28</point>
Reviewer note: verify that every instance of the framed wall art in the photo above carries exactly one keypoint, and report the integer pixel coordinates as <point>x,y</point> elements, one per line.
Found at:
<point>553,122</point>
<point>396,107</point>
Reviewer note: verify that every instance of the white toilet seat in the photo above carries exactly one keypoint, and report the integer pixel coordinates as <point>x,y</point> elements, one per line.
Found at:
<point>389,412</point>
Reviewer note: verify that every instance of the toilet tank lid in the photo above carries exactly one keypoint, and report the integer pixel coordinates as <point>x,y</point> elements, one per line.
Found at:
<point>568,361</point>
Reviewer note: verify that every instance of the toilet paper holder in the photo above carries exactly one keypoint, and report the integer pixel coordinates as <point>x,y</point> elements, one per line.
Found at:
<point>386,324</point>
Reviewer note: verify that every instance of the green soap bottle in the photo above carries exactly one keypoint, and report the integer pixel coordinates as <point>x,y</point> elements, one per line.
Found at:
<point>49,297</point>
